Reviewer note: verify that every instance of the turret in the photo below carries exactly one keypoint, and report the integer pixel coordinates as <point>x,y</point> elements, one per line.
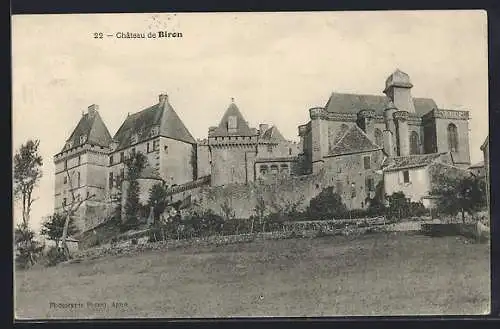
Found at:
<point>401,119</point>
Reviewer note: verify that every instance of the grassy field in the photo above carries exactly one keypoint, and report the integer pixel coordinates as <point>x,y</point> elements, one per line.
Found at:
<point>379,274</point>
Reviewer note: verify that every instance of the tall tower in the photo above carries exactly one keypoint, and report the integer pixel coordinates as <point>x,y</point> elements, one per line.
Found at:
<point>81,166</point>
<point>398,89</point>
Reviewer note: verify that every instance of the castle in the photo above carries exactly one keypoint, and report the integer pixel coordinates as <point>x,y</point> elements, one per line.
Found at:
<point>354,141</point>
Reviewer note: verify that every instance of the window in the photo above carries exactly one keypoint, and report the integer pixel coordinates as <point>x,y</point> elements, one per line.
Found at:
<point>284,168</point>
<point>270,148</point>
<point>122,156</point>
<point>232,123</point>
<point>156,145</point>
<point>452,138</point>
<point>263,169</point>
<point>369,184</point>
<point>110,180</point>
<point>414,143</point>
<point>289,151</point>
<point>111,160</point>
<point>366,161</point>
<point>165,148</point>
<point>65,180</point>
<point>154,131</point>
<point>83,139</point>
<point>134,138</point>
<point>406,176</point>
<point>379,137</point>
<point>274,169</point>
<point>147,147</point>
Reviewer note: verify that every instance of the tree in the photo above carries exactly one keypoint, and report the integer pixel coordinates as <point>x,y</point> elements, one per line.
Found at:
<point>27,174</point>
<point>326,205</point>
<point>28,248</point>
<point>398,205</point>
<point>53,227</point>
<point>260,211</point>
<point>460,194</point>
<point>158,199</point>
<point>134,166</point>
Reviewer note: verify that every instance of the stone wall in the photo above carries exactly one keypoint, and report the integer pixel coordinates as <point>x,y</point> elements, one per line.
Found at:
<point>242,198</point>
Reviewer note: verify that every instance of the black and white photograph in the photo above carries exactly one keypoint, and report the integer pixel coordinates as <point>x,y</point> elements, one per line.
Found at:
<point>250,164</point>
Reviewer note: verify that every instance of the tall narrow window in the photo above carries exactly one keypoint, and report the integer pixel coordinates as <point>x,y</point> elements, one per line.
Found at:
<point>111,160</point>
<point>79,160</point>
<point>232,123</point>
<point>110,180</point>
<point>452,138</point>
<point>78,179</point>
<point>122,156</point>
<point>147,147</point>
<point>406,176</point>
<point>379,137</point>
<point>366,162</point>
<point>414,143</point>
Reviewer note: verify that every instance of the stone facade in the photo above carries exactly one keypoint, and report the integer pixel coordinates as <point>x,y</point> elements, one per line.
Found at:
<point>354,143</point>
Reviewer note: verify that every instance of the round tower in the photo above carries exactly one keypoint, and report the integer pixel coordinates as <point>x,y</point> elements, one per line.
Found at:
<point>403,136</point>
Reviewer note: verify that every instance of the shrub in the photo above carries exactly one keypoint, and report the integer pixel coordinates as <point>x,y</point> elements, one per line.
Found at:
<point>55,255</point>
<point>326,205</point>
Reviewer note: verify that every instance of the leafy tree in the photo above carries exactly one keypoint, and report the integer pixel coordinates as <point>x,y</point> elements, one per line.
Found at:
<point>460,194</point>
<point>27,174</point>
<point>326,205</point>
<point>158,199</point>
<point>260,211</point>
<point>53,227</point>
<point>134,166</point>
<point>28,249</point>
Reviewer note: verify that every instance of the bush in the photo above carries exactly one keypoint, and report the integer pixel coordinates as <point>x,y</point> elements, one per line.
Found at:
<point>326,205</point>
<point>55,256</point>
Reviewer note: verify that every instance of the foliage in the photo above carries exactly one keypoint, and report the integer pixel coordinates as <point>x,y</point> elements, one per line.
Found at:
<point>27,174</point>
<point>460,194</point>
<point>53,227</point>
<point>158,199</point>
<point>28,249</point>
<point>402,207</point>
<point>55,255</point>
<point>326,205</point>
<point>134,165</point>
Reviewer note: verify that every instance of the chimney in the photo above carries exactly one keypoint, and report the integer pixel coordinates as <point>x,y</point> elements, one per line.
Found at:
<point>92,109</point>
<point>162,98</point>
<point>262,128</point>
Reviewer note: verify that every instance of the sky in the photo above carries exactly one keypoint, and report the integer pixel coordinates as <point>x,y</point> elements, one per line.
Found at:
<point>275,65</point>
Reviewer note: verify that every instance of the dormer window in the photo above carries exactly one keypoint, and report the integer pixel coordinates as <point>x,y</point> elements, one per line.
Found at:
<point>232,123</point>
<point>154,131</point>
<point>134,139</point>
<point>83,139</point>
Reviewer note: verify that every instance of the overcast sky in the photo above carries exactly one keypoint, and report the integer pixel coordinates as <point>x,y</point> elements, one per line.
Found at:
<point>275,65</point>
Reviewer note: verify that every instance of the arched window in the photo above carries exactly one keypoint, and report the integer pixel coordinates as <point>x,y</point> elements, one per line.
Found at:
<point>274,169</point>
<point>263,169</point>
<point>379,137</point>
<point>414,143</point>
<point>452,138</point>
<point>343,129</point>
<point>284,168</point>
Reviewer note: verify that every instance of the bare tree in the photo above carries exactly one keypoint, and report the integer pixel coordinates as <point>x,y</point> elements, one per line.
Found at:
<point>69,210</point>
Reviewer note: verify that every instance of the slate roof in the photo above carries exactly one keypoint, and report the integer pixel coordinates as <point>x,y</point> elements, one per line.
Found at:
<point>273,134</point>
<point>92,128</point>
<point>242,126</point>
<point>411,161</point>
<point>161,115</point>
<point>353,141</point>
<point>352,103</point>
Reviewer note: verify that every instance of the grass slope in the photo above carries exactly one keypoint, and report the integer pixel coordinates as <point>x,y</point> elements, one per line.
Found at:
<point>379,274</point>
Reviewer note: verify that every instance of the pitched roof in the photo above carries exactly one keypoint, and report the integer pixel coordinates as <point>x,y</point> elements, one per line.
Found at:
<point>353,141</point>
<point>242,128</point>
<point>352,103</point>
<point>160,115</point>
<point>411,161</point>
<point>273,134</point>
<point>92,128</point>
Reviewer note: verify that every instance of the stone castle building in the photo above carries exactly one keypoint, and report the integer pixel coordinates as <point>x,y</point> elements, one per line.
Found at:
<point>360,144</point>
